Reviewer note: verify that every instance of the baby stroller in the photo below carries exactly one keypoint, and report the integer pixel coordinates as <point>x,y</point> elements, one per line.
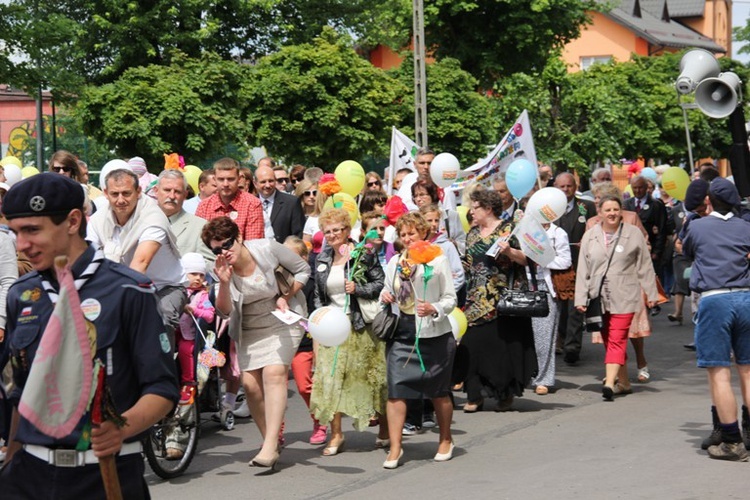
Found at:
<point>180,430</point>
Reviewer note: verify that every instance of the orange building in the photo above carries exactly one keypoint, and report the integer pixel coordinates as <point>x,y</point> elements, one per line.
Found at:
<point>18,119</point>
<point>651,27</point>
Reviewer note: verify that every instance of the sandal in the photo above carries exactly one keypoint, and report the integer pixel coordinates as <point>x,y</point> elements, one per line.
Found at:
<point>474,407</point>
<point>643,375</point>
<point>620,390</point>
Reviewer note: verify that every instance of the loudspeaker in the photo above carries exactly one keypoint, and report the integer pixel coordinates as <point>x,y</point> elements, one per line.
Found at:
<point>717,97</point>
<point>695,65</point>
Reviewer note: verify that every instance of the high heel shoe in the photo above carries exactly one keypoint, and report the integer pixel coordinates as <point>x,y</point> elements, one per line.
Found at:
<point>382,443</point>
<point>392,464</point>
<point>444,457</point>
<point>470,407</point>
<point>266,463</point>
<point>674,317</point>
<point>330,451</point>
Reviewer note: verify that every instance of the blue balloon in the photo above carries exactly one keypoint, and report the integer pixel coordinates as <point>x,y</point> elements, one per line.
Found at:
<point>649,173</point>
<point>520,177</point>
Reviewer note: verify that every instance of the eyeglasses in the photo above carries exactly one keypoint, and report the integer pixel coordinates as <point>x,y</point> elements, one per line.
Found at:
<point>224,246</point>
<point>310,193</point>
<point>58,169</point>
<point>283,179</point>
<point>332,231</point>
<point>296,181</point>
<point>373,183</point>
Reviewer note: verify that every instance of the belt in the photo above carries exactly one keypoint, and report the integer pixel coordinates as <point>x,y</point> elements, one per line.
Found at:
<point>62,457</point>
<point>719,291</point>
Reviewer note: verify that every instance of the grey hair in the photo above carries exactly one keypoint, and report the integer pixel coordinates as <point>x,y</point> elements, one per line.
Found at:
<point>119,173</point>
<point>173,174</point>
<point>598,171</point>
<point>424,151</point>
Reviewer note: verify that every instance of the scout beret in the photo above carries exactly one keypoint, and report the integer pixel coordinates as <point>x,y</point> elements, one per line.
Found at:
<point>42,195</point>
<point>695,194</point>
<point>725,191</point>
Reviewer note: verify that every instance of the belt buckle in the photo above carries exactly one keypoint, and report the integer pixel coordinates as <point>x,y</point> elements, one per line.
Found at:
<point>65,458</point>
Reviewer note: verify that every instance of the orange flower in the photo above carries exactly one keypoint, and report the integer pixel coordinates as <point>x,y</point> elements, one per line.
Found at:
<point>423,252</point>
<point>173,162</point>
<point>328,185</point>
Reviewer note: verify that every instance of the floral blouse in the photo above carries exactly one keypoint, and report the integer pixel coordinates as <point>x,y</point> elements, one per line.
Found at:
<point>487,276</point>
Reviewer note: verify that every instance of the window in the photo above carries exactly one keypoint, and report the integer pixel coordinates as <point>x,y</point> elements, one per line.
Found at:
<point>587,62</point>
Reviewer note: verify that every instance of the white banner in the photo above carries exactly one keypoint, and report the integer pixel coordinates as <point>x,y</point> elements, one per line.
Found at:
<point>535,243</point>
<point>517,143</point>
<point>403,154</point>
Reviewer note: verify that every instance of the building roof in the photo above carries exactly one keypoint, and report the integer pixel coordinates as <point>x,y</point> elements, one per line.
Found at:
<point>650,20</point>
<point>8,93</point>
<point>686,8</point>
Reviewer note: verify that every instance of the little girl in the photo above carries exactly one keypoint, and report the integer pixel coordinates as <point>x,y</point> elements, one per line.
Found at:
<point>200,307</point>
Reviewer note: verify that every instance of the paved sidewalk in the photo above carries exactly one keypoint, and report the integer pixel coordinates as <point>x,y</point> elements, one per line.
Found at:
<point>566,445</point>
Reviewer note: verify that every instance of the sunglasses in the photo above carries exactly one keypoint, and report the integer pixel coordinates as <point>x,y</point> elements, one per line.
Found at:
<point>333,231</point>
<point>224,246</point>
<point>283,179</point>
<point>310,193</point>
<point>373,183</point>
<point>61,169</point>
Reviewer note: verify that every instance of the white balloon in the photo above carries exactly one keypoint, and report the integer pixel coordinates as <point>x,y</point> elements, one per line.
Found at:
<point>329,325</point>
<point>404,192</point>
<point>547,205</point>
<point>111,166</point>
<point>444,169</point>
<point>12,174</point>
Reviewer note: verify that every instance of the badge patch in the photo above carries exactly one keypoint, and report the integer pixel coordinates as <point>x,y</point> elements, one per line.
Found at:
<point>37,203</point>
<point>26,311</point>
<point>645,207</point>
<point>619,249</point>
<point>233,215</point>
<point>321,268</point>
<point>164,340</point>
<point>582,219</point>
<point>31,295</point>
<point>91,309</point>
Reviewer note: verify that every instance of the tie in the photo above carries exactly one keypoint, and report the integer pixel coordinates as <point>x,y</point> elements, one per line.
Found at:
<point>266,204</point>
<point>637,206</point>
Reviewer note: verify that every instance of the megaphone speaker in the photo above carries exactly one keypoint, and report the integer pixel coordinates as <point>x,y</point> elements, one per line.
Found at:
<point>695,65</point>
<point>717,97</point>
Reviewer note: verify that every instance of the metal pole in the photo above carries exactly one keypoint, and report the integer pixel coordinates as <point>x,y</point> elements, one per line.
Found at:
<point>685,106</point>
<point>39,131</point>
<point>420,76</point>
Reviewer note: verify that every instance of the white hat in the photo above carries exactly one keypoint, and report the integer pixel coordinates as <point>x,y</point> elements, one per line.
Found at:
<point>193,263</point>
<point>110,167</point>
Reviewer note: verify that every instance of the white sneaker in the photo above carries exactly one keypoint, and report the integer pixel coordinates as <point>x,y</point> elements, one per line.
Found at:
<point>242,411</point>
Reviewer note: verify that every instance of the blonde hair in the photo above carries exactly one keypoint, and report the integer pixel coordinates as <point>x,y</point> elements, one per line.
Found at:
<point>298,245</point>
<point>369,216</point>
<point>429,208</point>
<point>603,189</point>
<point>415,220</point>
<point>335,216</point>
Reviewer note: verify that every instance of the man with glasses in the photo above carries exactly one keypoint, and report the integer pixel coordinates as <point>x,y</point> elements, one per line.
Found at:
<point>282,212</point>
<point>228,201</point>
<point>283,182</point>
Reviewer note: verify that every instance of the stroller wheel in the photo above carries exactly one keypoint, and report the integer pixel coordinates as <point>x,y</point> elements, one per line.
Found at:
<point>227,420</point>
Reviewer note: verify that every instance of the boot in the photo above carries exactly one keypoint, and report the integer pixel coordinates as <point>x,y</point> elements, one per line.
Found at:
<point>715,437</point>
<point>745,429</point>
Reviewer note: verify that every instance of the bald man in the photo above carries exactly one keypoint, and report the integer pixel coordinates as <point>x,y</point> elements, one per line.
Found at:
<point>282,212</point>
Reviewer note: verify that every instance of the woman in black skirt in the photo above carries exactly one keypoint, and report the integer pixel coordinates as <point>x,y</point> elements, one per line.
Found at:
<point>500,350</point>
<point>420,354</point>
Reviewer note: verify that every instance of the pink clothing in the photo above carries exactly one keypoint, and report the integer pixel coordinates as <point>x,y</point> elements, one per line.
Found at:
<point>202,309</point>
<point>615,336</point>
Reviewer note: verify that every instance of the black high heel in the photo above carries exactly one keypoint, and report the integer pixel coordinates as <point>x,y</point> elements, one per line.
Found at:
<point>674,317</point>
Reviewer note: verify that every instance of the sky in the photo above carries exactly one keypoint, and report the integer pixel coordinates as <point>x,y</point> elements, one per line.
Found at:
<point>740,14</point>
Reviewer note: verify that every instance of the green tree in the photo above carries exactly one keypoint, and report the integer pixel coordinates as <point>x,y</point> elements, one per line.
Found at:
<point>460,120</point>
<point>192,106</point>
<point>494,38</point>
<point>321,103</point>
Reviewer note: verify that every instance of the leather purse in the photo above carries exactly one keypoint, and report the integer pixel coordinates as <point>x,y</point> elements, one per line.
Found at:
<point>594,313</point>
<point>284,280</point>
<point>523,303</point>
<point>385,323</point>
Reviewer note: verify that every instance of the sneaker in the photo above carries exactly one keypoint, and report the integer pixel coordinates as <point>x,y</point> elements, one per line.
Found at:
<point>734,452</point>
<point>319,434</point>
<point>713,440</point>
<point>409,429</point>
<point>655,310</point>
<point>187,394</point>
<point>428,421</point>
<point>242,411</point>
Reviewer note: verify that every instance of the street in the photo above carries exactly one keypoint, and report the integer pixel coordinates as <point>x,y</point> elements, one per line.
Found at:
<point>565,445</point>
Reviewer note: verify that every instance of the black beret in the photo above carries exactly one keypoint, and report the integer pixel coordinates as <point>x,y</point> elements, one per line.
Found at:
<point>695,194</point>
<point>42,195</point>
<point>725,191</point>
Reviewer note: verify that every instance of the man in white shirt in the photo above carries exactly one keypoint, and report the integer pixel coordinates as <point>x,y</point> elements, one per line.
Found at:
<point>206,187</point>
<point>135,232</point>
<point>423,163</point>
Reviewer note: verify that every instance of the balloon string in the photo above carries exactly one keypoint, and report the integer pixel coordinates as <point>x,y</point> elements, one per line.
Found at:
<point>416,342</point>
<point>335,360</point>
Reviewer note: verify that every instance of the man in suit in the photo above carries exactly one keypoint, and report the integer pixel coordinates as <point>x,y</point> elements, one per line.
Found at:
<point>282,212</point>
<point>170,195</point>
<point>573,222</point>
<point>653,215</point>
<point>509,204</point>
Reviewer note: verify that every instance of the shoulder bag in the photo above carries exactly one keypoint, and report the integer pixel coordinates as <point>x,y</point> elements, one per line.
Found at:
<point>594,320</point>
<point>385,322</point>
<point>524,303</point>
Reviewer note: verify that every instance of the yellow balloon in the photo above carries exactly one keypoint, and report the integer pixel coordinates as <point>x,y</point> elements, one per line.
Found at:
<point>29,171</point>
<point>13,160</point>
<point>458,315</point>
<point>675,182</point>
<point>351,177</point>
<point>191,174</point>
<point>345,201</point>
<point>463,212</point>
<point>628,190</point>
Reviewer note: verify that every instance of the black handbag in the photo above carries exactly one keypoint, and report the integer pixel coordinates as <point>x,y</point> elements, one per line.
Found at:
<point>594,313</point>
<point>386,321</point>
<point>523,303</point>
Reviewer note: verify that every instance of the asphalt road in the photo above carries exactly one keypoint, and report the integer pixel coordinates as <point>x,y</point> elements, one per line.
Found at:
<point>566,445</point>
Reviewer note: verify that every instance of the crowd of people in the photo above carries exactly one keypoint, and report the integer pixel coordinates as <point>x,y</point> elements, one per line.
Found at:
<point>246,244</point>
